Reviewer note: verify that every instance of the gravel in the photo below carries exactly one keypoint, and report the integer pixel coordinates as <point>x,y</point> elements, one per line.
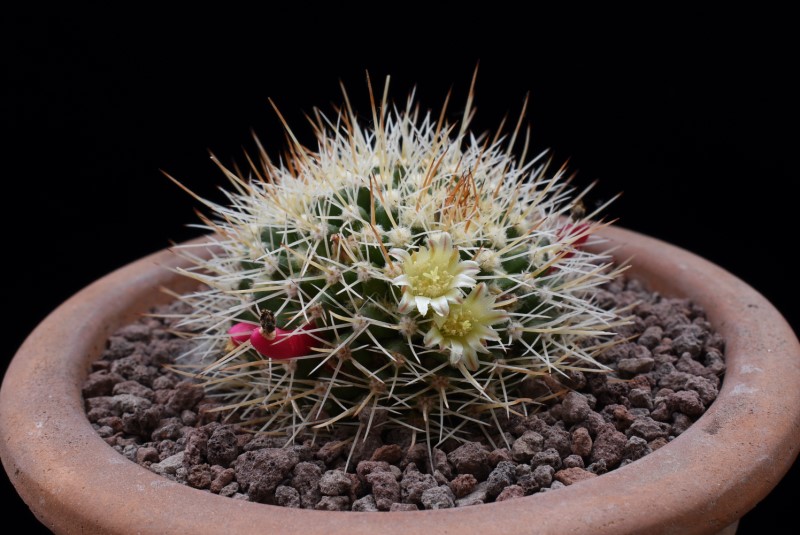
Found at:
<point>664,376</point>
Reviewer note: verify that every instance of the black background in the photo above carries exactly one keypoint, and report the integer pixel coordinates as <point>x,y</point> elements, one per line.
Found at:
<point>694,124</point>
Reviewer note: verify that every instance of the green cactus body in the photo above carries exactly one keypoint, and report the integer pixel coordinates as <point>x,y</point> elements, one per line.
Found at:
<point>429,267</point>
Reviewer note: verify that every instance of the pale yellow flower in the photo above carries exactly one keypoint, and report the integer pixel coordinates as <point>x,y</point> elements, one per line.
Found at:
<point>433,276</point>
<point>466,327</point>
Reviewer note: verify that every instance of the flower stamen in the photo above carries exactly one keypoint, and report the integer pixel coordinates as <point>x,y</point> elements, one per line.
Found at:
<point>433,276</point>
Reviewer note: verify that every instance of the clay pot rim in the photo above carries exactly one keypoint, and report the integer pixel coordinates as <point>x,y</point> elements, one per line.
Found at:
<point>692,485</point>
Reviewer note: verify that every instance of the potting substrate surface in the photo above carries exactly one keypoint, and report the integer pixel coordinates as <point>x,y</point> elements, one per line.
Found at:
<point>662,377</point>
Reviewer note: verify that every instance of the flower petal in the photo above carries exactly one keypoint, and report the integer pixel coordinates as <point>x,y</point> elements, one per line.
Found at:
<point>422,304</point>
<point>470,359</point>
<point>440,306</point>
<point>432,337</point>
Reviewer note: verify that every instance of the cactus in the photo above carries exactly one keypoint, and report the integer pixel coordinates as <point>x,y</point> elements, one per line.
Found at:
<point>408,266</point>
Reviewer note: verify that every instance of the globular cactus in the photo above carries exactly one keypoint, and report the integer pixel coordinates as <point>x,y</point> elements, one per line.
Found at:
<point>406,265</point>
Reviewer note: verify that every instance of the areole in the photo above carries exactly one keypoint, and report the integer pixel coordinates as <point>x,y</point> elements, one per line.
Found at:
<point>702,482</point>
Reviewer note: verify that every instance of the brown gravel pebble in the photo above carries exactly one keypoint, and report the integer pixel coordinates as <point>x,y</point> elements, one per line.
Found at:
<point>463,484</point>
<point>568,476</point>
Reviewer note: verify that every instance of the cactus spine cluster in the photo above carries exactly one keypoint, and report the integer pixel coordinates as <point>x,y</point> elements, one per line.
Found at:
<point>406,265</point>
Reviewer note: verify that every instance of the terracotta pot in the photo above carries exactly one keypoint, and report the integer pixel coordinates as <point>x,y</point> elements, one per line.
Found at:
<point>701,482</point>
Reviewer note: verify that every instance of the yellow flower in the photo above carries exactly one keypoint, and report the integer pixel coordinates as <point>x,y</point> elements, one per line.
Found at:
<point>433,276</point>
<point>465,328</point>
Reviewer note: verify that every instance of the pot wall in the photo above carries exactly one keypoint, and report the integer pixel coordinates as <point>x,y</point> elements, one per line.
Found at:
<point>701,482</point>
